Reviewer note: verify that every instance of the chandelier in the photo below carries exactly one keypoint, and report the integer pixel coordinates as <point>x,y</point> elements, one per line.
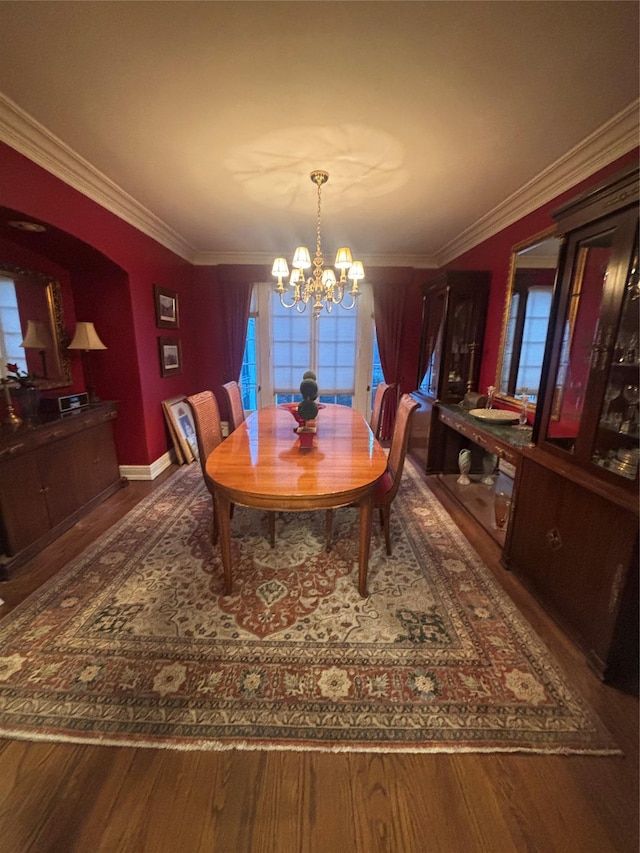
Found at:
<point>322,285</point>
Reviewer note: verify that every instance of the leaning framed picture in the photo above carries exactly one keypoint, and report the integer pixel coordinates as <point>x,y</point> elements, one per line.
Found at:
<point>182,428</point>
<point>166,307</point>
<point>170,356</point>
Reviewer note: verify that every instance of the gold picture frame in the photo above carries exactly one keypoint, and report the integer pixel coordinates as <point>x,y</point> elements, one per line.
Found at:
<point>182,428</point>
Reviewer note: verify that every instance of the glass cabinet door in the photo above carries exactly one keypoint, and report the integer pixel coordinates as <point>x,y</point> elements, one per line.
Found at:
<point>592,414</point>
<point>617,438</point>
<point>453,320</point>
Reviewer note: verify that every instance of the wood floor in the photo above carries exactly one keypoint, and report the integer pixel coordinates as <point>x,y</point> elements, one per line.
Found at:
<point>65,797</point>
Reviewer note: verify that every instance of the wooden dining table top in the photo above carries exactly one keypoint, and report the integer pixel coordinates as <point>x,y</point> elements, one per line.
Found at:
<point>261,463</point>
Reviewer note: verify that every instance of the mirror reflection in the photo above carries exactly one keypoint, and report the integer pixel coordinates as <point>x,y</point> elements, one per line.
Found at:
<point>526,318</point>
<point>32,327</point>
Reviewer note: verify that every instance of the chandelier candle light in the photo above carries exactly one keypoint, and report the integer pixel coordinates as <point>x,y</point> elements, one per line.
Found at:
<point>323,286</point>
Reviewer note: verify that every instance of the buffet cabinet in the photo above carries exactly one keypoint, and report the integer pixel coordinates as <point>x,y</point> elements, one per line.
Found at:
<point>574,529</point>
<point>495,452</point>
<point>51,474</point>
<point>576,549</point>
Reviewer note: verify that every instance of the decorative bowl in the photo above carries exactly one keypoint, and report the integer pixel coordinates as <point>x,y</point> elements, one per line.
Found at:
<point>495,416</point>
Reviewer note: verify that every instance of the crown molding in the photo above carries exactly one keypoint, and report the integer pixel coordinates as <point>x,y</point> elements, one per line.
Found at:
<point>613,139</point>
<point>212,259</point>
<point>22,132</point>
<point>27,136</point>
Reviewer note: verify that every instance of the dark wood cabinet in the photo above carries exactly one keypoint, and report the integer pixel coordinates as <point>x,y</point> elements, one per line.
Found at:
<point>50,475</point>
<point>576,549</point>
<point>574,527</point>
<point>591,374</point>
<point>454,312</point>
<point>495,455</point>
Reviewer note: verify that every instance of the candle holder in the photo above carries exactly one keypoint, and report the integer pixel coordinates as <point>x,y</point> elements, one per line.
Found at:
<point>10,418</point>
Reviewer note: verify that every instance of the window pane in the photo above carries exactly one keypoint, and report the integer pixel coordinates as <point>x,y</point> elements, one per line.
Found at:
<point>10,328</point>
<point>326,345</point>
<point>534,334</point>
<point>249,373</point>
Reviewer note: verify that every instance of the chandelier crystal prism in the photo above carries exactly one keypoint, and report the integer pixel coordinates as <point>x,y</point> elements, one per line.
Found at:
<point>322,285</point>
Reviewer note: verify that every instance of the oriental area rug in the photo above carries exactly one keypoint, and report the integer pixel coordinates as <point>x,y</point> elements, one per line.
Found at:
<point>133,643</point>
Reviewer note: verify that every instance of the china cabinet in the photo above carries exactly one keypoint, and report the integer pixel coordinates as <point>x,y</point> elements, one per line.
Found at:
<point>454,311</point>
<point>574,527</point>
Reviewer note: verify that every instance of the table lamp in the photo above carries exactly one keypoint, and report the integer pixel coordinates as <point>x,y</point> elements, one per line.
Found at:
<point>86,338</point>
<point>37,337</point>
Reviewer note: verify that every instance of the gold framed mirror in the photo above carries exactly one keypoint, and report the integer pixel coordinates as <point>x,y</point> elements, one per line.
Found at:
<point>525,321</point>
<point>32,333</point>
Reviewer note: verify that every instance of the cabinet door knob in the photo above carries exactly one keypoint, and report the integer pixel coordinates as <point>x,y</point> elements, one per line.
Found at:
<point>554,540</point>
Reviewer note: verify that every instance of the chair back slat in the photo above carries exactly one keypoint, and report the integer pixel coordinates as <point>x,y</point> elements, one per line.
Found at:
<point>236,409</point>
<point>400,441</point>
<point>206,418</point>
<point>383,392</point>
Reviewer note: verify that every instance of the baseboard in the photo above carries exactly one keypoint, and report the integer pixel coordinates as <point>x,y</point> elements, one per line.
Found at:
<point>148,472</point>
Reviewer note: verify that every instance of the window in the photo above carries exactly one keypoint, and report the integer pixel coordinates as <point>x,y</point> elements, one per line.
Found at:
<point>282,344</point>
<point>534,336</point>
<point>10,328</point>
<point>249,375</point>
<point>377,375</point>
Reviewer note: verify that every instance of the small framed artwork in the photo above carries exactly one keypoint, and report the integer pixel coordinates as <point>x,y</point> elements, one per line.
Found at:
<point>170,356</point>
<point>166,307</point>
<point>182,428</point>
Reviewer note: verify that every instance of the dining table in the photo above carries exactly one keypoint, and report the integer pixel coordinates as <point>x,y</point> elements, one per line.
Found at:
<point>263,464</point>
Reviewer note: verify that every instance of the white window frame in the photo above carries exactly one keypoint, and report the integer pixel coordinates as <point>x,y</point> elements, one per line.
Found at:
<point>364,347</point>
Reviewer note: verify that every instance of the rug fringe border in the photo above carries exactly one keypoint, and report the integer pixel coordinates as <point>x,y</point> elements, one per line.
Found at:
<point>247,746</point>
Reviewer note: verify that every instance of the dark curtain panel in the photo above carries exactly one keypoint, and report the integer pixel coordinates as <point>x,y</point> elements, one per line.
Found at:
<point>388,310</point>
<point>235,300</point>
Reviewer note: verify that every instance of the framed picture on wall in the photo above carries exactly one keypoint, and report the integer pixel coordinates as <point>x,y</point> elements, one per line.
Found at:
<point>179,418</point>
<point>170,356</point>
<point>166,307</point>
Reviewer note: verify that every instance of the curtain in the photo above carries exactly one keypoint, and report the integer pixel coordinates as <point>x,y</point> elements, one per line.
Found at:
<point>388,310</point>
<point>235,301</point>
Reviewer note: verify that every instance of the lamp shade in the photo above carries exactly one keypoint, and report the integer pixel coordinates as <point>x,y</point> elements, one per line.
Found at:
<point>356,271</point>
<point>301,258</point>
<point>343,258</point>
<point>86,338</point>
<point>280,268</point>
<point>36,336</point>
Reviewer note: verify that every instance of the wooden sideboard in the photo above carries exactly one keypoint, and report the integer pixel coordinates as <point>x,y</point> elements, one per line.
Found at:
<point>51,474</point>
<point>453,429</point>
<point>574,544</point>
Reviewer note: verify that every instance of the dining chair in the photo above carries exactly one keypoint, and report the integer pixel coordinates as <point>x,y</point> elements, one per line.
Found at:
<point>206,419</point>
<point>382,395</point>
<point>236,409</point>
<point>387,486</point>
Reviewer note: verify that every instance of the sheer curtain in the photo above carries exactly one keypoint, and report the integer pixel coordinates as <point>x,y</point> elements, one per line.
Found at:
<point>388,310</point>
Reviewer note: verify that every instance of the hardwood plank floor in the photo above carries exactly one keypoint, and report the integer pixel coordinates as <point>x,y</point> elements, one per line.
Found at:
<point>68,797</point>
